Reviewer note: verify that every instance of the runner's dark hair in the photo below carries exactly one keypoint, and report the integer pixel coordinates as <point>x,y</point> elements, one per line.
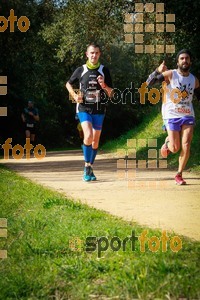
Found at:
<point>187,51</point>
<point>95,45</point>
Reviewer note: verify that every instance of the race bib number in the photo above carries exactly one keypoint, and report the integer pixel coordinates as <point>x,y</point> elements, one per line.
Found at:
<point>29,125</point>
<point>92,96</point>
<point>183,110</point>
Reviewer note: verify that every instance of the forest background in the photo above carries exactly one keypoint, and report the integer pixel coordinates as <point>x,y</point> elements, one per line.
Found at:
<point>39,62</point>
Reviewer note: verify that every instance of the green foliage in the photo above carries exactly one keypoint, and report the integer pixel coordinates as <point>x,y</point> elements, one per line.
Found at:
<point>81,22</point>
<point>39,62</point>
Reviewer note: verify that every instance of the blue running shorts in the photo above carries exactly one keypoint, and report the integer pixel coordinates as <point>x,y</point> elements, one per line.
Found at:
<point>175,124</point>
<point>95,120</point>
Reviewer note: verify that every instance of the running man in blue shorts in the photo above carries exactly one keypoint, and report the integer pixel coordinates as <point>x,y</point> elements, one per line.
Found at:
<point>94,84</point>
<point>177,108</point>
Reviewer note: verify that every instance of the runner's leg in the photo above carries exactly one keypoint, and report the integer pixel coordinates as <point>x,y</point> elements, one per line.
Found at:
<point>87,141</point>
<point>186,134</point>
<point>97,123</point>
<point>173,140</point>
<point>87,148</point>
<point>95,144</point>
<point>27,133</point>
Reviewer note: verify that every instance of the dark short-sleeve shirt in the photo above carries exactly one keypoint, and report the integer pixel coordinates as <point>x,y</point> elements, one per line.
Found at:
<point>30,119</point>
<point>94,97</point>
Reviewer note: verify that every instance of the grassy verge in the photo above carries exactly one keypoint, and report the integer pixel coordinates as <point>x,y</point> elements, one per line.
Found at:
<point>151,128</point>
<point>42,264</point>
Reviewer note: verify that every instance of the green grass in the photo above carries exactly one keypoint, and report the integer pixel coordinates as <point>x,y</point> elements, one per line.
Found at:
<point>42,225</point>
<point>41,264</point>
<point>151,128</point>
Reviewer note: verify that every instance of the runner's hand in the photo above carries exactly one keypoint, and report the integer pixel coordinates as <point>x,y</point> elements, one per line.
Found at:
<point>162,68</point>
<point>78,98</point>
<point>101,80</point>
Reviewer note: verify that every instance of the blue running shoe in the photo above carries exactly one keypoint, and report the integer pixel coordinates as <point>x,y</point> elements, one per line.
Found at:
<point>86,174</point>
<point>93,177</point>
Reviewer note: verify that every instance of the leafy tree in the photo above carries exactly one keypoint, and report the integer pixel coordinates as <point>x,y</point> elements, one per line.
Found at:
<point>39,62</point>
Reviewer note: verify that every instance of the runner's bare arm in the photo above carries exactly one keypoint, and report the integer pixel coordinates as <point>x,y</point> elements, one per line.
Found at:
<point>104,86</point>
<point>23,118</point>
<point>159,75</point>
<point>197,89</point>
<point>36,117</point>
<point>197,85</point>
<point>77,97</point>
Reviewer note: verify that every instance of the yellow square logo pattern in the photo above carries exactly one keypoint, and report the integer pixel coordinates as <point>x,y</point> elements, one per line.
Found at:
<point>3,92</point>
<point>3,234</point>
<point>129,167</point>
<point>163,23</point>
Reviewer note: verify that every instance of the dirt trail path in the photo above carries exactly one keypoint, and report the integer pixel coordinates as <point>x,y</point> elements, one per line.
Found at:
<point>158,204</point>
